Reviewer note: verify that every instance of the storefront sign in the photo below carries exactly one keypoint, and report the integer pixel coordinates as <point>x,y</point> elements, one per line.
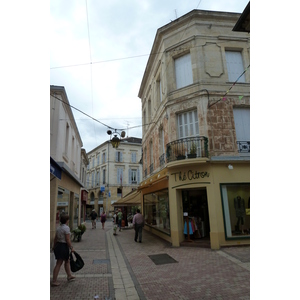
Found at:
<point>62,203</point>
<point>84,195</point>
<point>189,175</point>
<point>55,169</point>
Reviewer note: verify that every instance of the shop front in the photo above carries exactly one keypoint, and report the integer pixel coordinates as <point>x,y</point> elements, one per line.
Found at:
<point>200,202</point>
<point>210,203</point>
<point>64,198</point>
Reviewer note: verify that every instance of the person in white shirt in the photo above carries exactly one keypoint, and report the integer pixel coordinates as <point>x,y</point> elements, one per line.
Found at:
<point>61,246</point>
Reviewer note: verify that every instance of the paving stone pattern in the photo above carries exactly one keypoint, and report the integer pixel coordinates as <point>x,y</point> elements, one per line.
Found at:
<point>116,267</point>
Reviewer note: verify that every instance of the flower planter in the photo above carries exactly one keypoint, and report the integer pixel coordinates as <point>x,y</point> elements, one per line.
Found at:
<point>179,157</point>
<point>194,155</point>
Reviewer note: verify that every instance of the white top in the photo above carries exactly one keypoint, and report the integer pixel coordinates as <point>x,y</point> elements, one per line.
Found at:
<point>61,232</point>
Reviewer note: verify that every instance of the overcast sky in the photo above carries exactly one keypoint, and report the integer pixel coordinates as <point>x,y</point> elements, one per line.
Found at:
<point>117,37</point>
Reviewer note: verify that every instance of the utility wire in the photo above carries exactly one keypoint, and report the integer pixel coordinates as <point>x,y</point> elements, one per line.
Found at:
<point>120,129</point>
<point>223,97</point>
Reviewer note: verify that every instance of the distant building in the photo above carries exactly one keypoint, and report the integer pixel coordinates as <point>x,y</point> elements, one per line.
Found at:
<point>196,131</point>
<point>113,173</point>
<point>65,160</point>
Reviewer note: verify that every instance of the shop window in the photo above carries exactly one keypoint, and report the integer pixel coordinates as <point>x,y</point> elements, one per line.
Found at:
<point>236,210</point>
<point>156,210</point>
<point>63,196</point>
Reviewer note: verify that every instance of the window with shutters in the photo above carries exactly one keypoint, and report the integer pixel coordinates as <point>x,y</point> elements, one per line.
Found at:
<point>188,124</point>
<point>158,92</point>
<point>98,178</point>
<point>134,176</point>
<point>242,128</point>
<point>93,182</point>
<point>119,156</point>
<point>103,176</point>
<point>133,157</point>
<point>120,176</point>
<point>183,71</point>
<point>235,66</point>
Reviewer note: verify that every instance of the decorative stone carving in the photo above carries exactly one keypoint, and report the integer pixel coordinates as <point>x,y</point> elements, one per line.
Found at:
<point>213,60</point>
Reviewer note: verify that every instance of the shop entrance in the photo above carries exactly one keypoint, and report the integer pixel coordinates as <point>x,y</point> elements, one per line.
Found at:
<point>194,202</point>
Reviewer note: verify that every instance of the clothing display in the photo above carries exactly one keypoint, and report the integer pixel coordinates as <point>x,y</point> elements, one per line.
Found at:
<point>240,212</point>
<point>193,227</point>
<point>239,205</point>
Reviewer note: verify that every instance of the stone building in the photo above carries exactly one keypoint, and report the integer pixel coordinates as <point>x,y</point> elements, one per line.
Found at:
<point>65,160</point>
<point>196,133</point>
<point>113,173</point>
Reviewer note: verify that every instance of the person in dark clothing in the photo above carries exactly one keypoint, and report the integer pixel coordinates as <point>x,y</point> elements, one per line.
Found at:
<point>138,224</point>
<point>93,216</point>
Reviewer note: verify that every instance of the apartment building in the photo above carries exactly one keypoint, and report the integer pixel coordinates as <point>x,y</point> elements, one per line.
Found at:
<point>113,173</point>
<point>196,133</point>
<point>65,160</point>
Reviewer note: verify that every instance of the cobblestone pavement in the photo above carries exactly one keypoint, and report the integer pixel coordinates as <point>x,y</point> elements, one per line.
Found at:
<point>116,267</point>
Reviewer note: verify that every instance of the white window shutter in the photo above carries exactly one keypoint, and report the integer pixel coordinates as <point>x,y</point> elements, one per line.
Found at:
<point>235,66</point>
<point>183,71</point>
<point>138,176</point>
<point>129,176</point>
<point>242,123</point>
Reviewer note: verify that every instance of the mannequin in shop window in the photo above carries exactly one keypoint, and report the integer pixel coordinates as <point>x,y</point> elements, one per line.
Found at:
<point>240,212</point>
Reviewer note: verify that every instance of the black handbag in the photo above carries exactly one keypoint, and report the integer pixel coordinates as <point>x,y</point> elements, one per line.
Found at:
<point>77,264</point>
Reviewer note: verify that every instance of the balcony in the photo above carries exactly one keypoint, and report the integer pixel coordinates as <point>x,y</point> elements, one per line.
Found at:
<point>192,147</point>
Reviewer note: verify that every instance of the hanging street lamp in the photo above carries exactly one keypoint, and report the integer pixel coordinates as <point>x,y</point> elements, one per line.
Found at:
<point>116,139</point>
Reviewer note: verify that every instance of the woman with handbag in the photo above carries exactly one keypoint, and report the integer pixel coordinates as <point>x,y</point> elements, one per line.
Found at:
<point>61,246</point>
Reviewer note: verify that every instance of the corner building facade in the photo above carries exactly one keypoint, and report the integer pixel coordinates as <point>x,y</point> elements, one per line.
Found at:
<point>196,133</point>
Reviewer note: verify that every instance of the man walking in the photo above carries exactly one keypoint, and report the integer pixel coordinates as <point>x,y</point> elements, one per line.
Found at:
<point>120,218</point>
<point>93,216</point>
<point>138,224</point>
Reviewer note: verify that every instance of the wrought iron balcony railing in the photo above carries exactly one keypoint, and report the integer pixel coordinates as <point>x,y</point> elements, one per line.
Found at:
<point>162,160</point>
<point>191,147</point>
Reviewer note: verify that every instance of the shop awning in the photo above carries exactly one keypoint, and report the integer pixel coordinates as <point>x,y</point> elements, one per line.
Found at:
<point>132,198</point>
<point>55,169</point>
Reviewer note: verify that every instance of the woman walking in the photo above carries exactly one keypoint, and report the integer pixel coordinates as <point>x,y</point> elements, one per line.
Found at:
<point>61,246</point>
<point>103,219</point>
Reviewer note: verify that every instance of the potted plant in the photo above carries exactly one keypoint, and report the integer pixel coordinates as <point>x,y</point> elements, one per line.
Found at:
<point>193,151</point>
<point>78,232</point>
<point>115,229</point>
<point>77,235</point>
<point>180,153</point>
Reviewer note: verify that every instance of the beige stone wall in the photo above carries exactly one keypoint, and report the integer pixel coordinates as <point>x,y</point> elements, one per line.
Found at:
<point>206,38</point>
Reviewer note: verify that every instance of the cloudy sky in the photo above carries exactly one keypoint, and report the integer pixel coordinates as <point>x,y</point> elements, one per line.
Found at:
<point>99,51</point>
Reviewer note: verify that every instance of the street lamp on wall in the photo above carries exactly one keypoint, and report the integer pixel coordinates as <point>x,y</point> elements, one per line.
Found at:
<point>116,139</point>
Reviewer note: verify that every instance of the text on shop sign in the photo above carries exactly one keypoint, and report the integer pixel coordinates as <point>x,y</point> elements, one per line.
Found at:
<point>190,175</point>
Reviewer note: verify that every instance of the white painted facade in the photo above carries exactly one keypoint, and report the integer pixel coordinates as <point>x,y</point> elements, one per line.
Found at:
<point>65,140</point>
